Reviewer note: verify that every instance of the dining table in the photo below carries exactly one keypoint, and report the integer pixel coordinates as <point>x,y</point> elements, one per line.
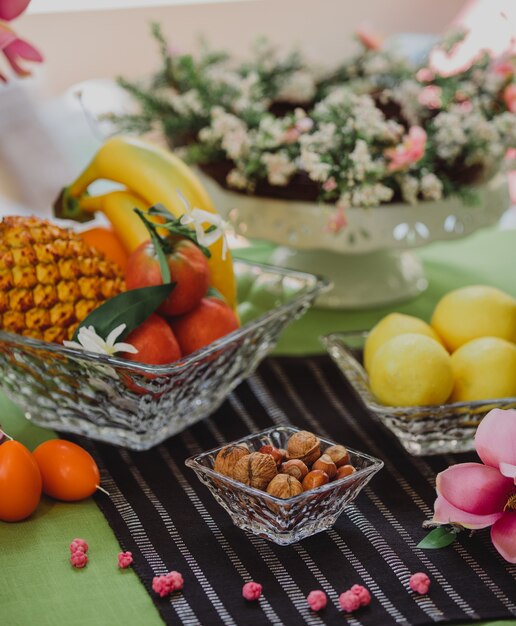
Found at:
<point>38,586</point>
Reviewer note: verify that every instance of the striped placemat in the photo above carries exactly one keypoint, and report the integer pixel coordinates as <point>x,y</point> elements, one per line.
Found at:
<point>168,519</point>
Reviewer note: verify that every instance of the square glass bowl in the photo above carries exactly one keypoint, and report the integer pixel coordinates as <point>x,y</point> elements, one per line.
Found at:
<point>136,405</point>
<point>283,521</point>
<point>422,430</point>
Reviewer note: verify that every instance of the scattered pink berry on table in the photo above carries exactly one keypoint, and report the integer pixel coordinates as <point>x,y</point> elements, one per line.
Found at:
<point>166,584</point>
<point>125,559</point>
<point>78,544</point>
<point>349,601</point>
<point>362,594</point>
<point>420,583</point>
<point>252,591</point>
<point>79,559</point>
<point>175,580</point>
<point>317,600</point>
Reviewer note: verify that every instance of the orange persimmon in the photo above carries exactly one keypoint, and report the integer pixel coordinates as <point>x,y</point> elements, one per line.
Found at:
<point>106,241</point>
<point>20,482</point>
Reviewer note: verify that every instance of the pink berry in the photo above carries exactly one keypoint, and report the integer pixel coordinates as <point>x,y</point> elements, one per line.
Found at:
<point>252,591</point>
<point>79,559</point>
<point>420,583</point>
<point>125,559</point>
<point>349,601</point>
<point>175,580</point>
<point>166,584</point>
<point>78,544</point>
<point>362,594</point>
<point>317,600</point>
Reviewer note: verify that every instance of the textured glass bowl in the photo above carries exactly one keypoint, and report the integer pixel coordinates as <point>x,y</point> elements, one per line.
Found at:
<point>283,521</point>
<point>136,405</point>
<point>422,430</point>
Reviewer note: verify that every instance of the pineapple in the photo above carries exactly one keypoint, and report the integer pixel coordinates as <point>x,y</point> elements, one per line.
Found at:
<point>50,279</point>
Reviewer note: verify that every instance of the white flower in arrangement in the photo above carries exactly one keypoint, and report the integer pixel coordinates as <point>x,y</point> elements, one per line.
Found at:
<point>237,179</point>
<point>299,87</point>
<point>408,96</point>
<point>450,137</point>
<point>279,167</point>
<point>431,187</point>
<point>313,165</point>
<point>409,189</point>
<point>199,218</point>
<point>236,143</point>
<point>361,159</point>
<point>271,132</point>
<point>375,64</point>
<point>304,123</point>
<point>188,102</point>
<point>370,195</point>
<point>88,339</point>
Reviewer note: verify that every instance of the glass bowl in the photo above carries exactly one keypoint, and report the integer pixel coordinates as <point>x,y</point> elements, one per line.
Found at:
<point>283,521</point>
<point>422,430</point>
<point>136,405</point>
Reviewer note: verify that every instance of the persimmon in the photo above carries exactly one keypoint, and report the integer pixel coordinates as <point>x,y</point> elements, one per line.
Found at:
<point>106,241</point>
<point>20,482</point>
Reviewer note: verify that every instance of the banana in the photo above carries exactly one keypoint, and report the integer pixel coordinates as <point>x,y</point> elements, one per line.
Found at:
<point>155,175</point>
<point>118,207</point>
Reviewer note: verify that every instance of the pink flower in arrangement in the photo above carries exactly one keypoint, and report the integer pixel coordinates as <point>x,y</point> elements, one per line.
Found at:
<point>430,97</point>
<point>16,49</point>
<point>503,67</point>
<point>370,40</point>
<point>9,9</point>
<point>329,184</point>
<point>509,97</point>
<point>476,495</point>
<point>425,75</point>
<point>410,151</point>
<point>291,135</point>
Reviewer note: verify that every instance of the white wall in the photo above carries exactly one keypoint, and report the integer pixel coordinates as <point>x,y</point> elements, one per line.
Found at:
<point>104,44</point>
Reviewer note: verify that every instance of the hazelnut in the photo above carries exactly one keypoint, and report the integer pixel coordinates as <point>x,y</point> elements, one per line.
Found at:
<point>345,470</point>
<point>228,457</point>
<point>284,486</point>
<point>338,454</point>
<point>325,464</point>
<point>256,470</point>
<point>295,468</point>
<point>315,479</point>
<point>274,452</point>
<point>304,446</point>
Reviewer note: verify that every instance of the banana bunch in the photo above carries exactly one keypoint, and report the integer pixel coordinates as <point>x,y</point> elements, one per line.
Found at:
<point>150,175</point>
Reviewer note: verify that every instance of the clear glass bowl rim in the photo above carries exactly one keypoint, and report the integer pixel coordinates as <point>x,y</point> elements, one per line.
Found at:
<point>319,285</point>
<point>337,339</point>
<point>193,463</point>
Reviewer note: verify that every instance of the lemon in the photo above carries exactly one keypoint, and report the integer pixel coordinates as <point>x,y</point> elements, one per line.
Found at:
<point>484,369</point>
<point>411,370</point>
<point>391,326</point>
<point>471,312</point>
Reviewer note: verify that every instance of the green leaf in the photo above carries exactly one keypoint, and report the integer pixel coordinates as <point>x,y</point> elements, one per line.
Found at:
<point>215,293</point>
<point>437,538</point>
<point>159,246</point>
<point>131,308</point>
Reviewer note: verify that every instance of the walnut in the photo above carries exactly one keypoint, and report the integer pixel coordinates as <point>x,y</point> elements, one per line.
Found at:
<point>256,470</point>
<point>228,457</point>
<point>284,486</point>
<point>304,446</point>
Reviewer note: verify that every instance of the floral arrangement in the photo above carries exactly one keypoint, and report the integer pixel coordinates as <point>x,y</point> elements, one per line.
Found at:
<point>13,48</point>
<point>375,129</point>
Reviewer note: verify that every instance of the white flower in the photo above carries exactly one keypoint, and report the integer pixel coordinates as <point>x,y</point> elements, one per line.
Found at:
<point>279,167</point>
<point>431,187</point>
<point>409,189</point>
<point>316,169</point>
<point>198,218</point>
<point>89,340</point>
<point>299,87</point>
<point>237,179</point>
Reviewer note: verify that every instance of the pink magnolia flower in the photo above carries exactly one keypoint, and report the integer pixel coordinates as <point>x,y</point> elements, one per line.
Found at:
<point>368,39</point>
<point>9,9</point>
<point>477,495</point>
<point>509,97</point>
<point>410,151</point>
<point>16,49</point>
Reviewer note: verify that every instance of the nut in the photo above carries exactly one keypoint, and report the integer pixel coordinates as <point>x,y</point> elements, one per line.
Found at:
<point>338,454</point>
<point>345,470</point>
<point>256,470</point>
<point>276,454</point>
<point>228,457</point>
<point>315,479</point>
<point>295,468</point>
<point>325,464</point>
<point>284,486</point>
<point>304,446</point>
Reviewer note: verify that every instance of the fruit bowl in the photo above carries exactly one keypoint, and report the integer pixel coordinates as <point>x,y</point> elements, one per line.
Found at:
<point>422,430</point>
<point>136,405</point>
<point>283,521</point>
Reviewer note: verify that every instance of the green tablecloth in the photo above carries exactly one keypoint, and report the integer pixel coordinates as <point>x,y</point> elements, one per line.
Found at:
<point>37,584</point>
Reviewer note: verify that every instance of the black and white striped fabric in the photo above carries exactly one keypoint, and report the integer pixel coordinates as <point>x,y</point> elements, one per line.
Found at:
<point>168,519</point>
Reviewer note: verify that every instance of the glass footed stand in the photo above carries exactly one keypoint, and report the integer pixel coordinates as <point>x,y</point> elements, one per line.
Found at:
<point>370,262</point>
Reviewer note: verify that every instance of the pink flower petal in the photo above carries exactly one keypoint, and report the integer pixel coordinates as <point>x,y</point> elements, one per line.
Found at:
<point>7,36</point>
<point>446,513</point>
<point>503,536</point>
<point>508,470</point>
<point>474,488</point>
<point>19,49</point>
<point>495,440</point>
<point>9,9</point>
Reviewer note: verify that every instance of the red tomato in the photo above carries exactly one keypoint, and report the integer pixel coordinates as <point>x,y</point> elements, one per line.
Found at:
<point>188,269</point>
<point>69,473</point>
<point>20,482</point>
